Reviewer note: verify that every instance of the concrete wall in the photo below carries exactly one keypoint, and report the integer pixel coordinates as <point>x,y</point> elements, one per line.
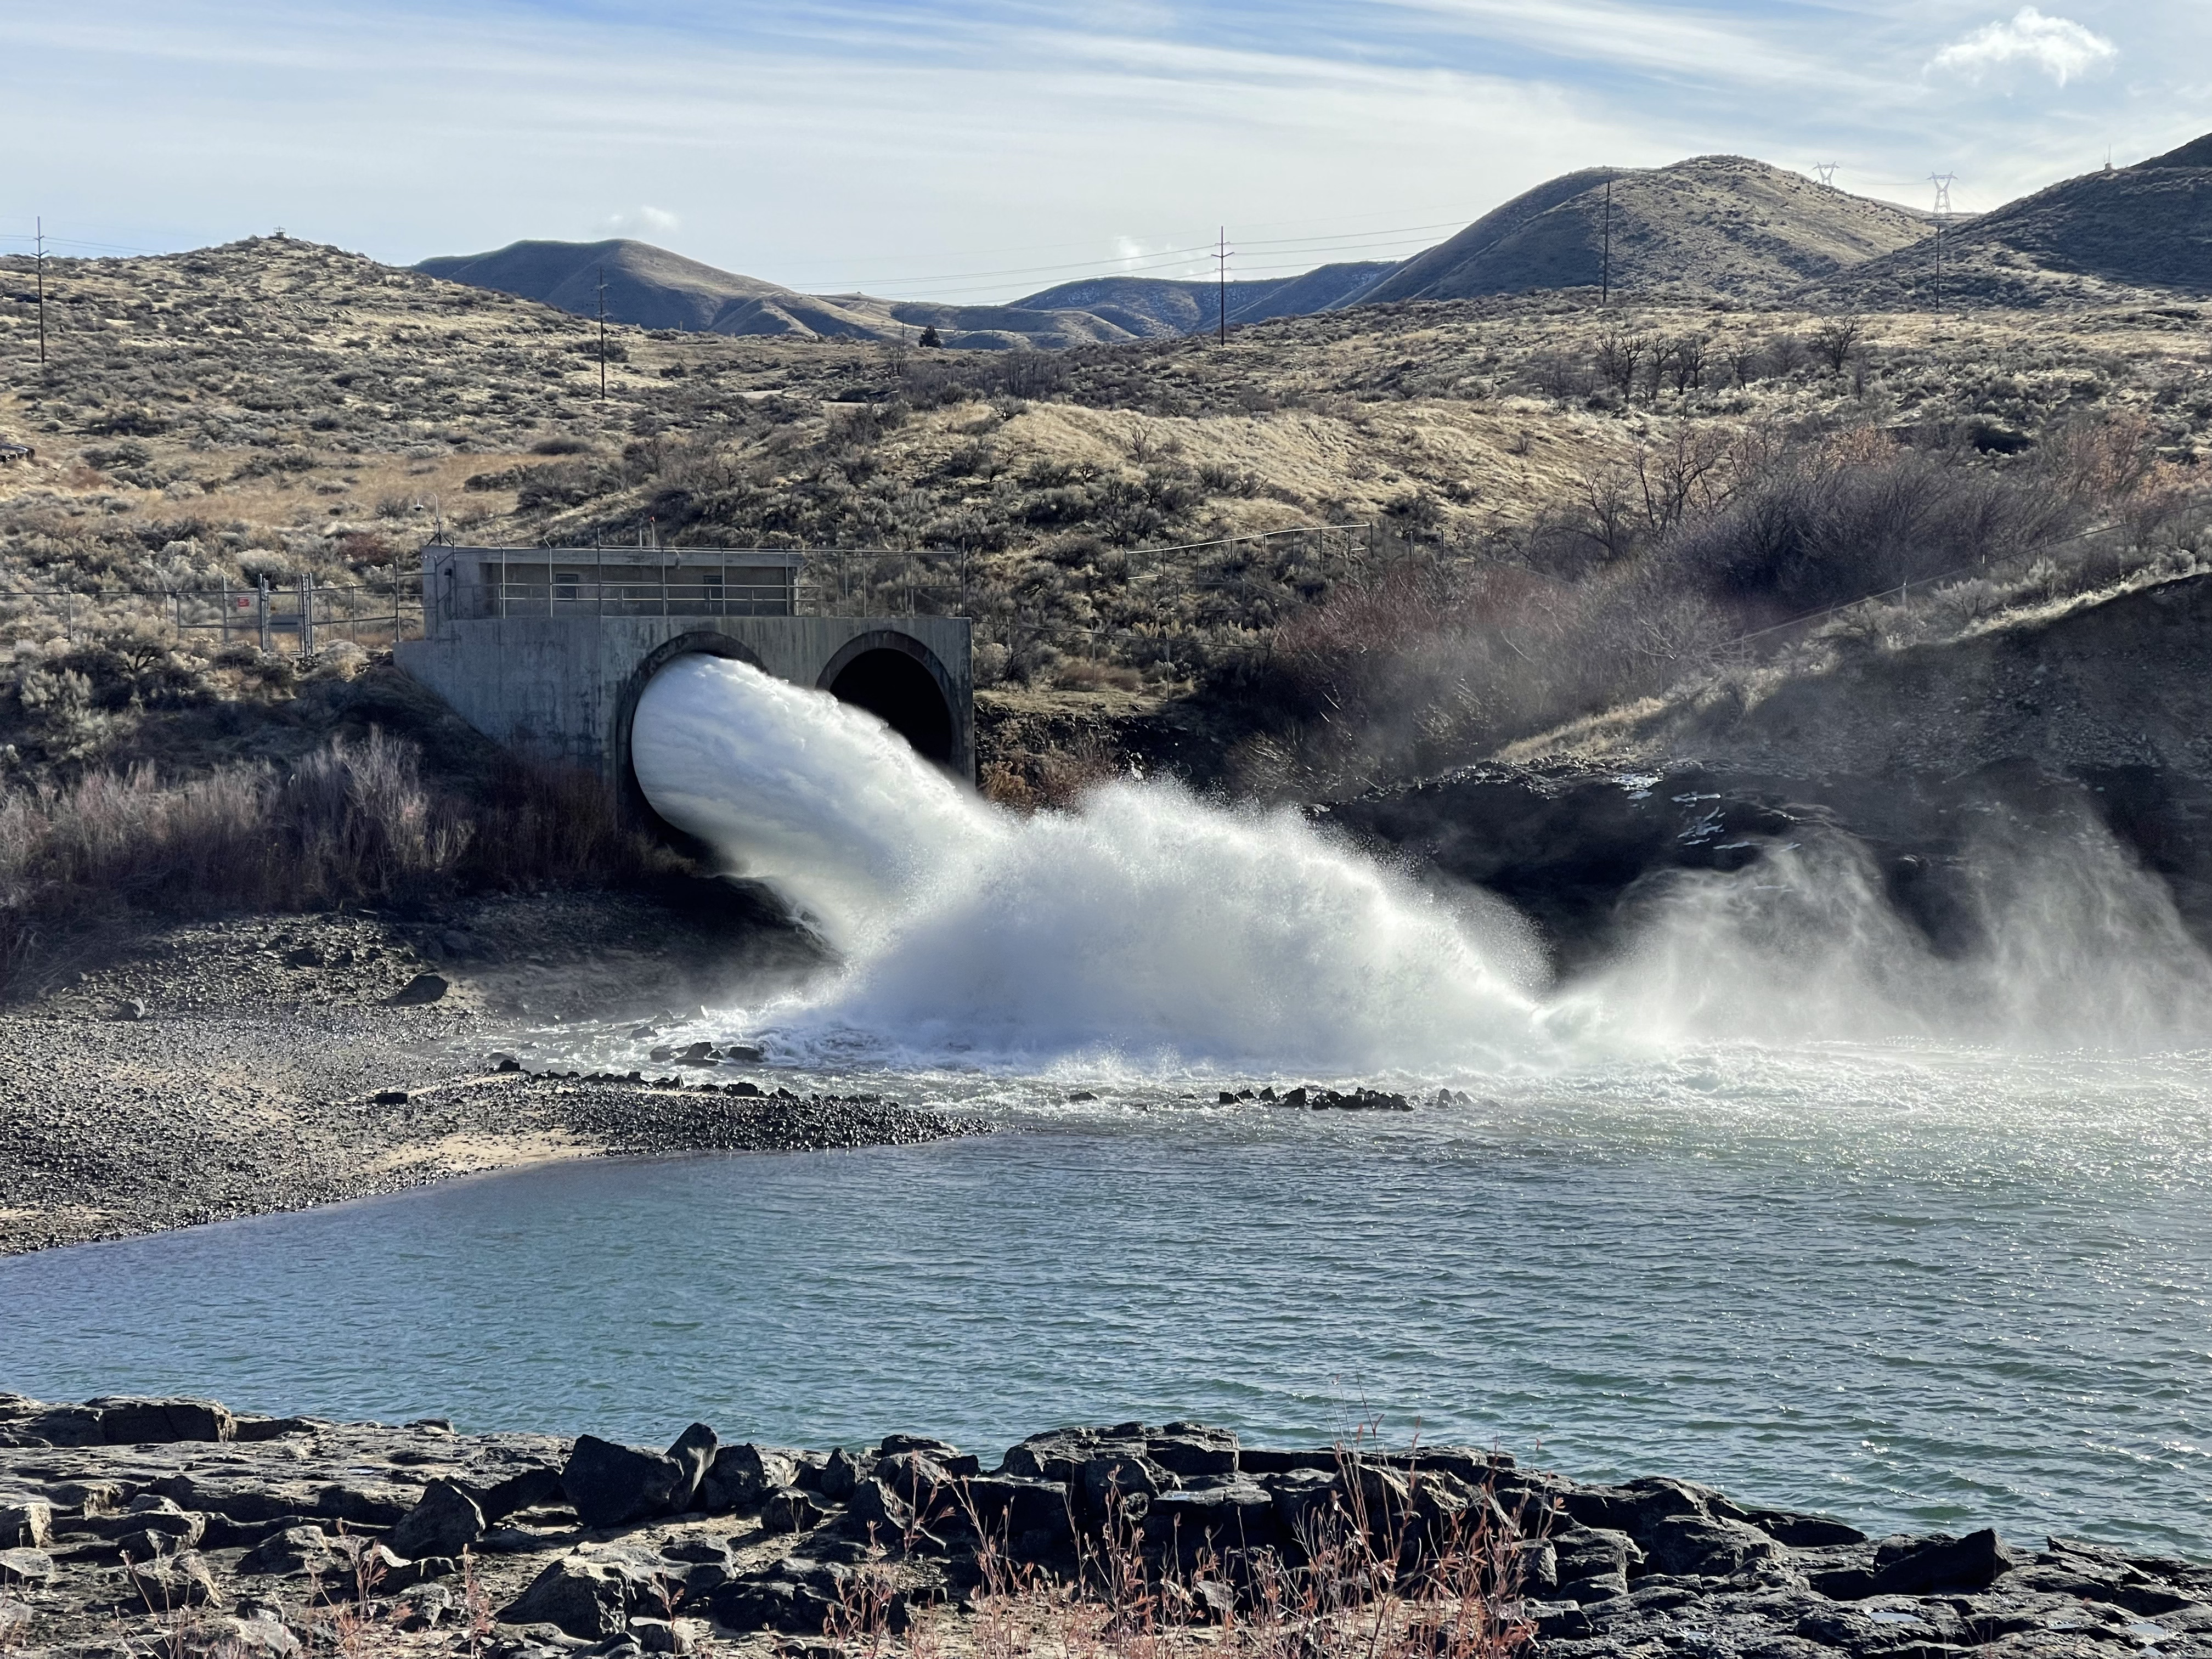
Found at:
<point>563,689</point>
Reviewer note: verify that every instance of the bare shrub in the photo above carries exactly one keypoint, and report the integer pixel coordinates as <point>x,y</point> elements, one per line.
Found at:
<point>1402,1562</point>
<point>1817,530</point>
<point>352,824</point>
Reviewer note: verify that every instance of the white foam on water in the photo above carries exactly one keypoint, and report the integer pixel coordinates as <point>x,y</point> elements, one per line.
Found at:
<point>1154,932</point>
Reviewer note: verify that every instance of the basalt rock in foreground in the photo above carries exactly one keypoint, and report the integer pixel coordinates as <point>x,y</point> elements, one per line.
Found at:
<point>178,1527</point>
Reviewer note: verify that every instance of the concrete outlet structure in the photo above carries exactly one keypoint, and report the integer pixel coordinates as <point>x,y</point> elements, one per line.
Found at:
<point>546,650</point>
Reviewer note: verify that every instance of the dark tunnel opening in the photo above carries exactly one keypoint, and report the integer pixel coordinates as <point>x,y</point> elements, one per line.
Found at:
<point>900,691</point>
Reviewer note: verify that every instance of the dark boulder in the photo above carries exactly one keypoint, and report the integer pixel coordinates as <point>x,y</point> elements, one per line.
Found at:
<point>1057,1454</point>
<point>839,1473</point>
<point>291,1552</point>
<point>615,1485</point>
<point>585,1598</point>
<point>694,1451</point>
<point>1702,1545</point>
<point>1122,1480</point>
<point>527,1489</point>
<point>740,1476</point>
<point>794,1596</point>
<point>1265,1460</point>
<point>423,990</point>
<point>1031,1517</point>
<point>1802,1532</point>
<point>1594,1553</point>
<point>133,1422</point>
<point>791,1509</point>
<point>1939,1562</point>
<point>1236,1515</point>
<point>1190,1450</point>
<point>445,1522</point>
<point>171,1581</point>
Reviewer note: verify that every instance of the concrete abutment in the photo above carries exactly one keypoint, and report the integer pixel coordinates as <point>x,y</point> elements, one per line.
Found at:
<point>548,658</point>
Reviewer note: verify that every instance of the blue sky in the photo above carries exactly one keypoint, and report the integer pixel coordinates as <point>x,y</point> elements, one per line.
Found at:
<point>982,148</point>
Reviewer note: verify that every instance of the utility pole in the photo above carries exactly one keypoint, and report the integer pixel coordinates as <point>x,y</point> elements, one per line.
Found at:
<point>39,225</point>
<point>1828,172</point>
<point>1221,252</point>
<point>1605,276</point>
<point>603,334</point>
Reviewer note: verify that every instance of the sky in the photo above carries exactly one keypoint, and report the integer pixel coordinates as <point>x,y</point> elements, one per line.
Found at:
<point>981,150</point>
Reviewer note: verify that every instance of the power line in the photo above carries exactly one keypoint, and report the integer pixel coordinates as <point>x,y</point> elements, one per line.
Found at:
<point>1221,280</point>
<point>1162,267</point>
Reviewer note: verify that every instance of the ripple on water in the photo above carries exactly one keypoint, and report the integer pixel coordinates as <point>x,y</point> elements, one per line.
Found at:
<point>1913,1291</point>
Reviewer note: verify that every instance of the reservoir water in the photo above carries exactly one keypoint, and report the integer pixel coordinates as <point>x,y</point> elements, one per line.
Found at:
<point>1780,1199</point>
<point>1913,1290</point>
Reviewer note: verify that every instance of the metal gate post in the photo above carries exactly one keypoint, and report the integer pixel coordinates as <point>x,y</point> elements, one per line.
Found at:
<point>261,596</point>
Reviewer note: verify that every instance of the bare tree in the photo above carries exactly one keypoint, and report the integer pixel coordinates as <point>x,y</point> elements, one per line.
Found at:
<point>1618,357</point>
<point>1684,359</point>
<point>1836,340</point>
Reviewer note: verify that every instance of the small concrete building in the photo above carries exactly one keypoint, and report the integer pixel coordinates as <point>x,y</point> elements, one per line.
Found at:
<point>546,650</point>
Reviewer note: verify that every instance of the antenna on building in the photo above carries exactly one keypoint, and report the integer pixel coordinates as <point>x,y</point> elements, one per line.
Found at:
<point>1828,172</point>
<point>603,333</point>
<point>1222,251</point>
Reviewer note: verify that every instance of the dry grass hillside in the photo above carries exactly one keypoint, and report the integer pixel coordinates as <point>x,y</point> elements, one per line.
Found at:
<point>1562,504</point>
<point>2140,234</point>
<point>1714,224</point>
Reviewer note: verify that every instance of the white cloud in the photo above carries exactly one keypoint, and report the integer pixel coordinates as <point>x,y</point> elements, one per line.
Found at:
<point>644,218</point>
<point>2062,48</point>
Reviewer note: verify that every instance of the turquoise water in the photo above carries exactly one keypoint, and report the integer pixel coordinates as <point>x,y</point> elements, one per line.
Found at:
<point>1909,1288</point>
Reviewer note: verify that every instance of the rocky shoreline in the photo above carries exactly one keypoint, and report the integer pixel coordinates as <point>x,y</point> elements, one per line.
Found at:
<point>174,1527</point>
<point>258,1064</point>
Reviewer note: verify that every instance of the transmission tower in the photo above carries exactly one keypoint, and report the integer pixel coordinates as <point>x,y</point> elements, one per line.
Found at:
<point>1828,172</point>
<point>1942,181</point>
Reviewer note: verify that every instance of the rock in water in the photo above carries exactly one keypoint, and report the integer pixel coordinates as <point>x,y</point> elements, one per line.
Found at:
<point>446,1521</point>
<point>420,989</point>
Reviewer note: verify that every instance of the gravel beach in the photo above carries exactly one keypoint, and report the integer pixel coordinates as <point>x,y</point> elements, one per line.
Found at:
<point>258,1063</point>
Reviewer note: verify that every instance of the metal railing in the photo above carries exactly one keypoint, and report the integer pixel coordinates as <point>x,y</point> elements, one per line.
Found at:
<point>301,614</point>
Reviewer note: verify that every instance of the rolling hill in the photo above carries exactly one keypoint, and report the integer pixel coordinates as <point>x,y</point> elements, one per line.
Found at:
<point>2098,237</point>
<point>1158,308</point>
<point>651,288</point>
<point>1722,224</point>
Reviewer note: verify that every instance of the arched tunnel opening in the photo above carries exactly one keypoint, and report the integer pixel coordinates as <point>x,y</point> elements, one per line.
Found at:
<point>898,691</point>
